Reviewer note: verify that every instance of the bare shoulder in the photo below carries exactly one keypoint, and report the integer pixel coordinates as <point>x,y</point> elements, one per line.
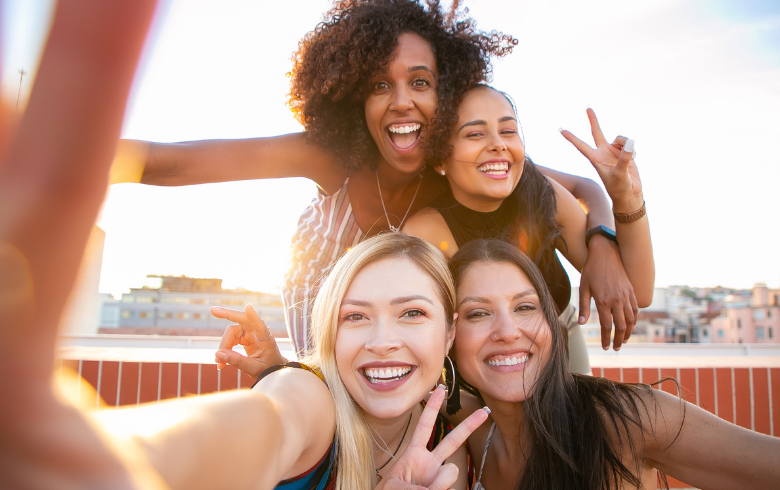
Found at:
<point>429,225</point>
<point>308,432</point>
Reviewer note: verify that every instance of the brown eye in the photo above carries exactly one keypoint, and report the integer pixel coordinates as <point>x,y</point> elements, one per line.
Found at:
<point>413,313</point>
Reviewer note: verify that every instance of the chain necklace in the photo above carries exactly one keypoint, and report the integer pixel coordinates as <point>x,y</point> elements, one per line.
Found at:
<point>393,228</point>
<point>387,449</point>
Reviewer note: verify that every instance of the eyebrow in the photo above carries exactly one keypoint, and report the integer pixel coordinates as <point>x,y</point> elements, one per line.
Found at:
<point>421,67</point>
<point>394,301</point>
<point>482,122</point>
<point>479,299</point>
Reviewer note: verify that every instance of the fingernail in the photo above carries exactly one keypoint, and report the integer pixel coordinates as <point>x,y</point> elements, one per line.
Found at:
<point>442,387</point>
<point>618,348</point>
<point>221,356</point>
<point>487,409</point>
<point>605,347</point>
<point>629,146</point>
<point>581,320</point>
<point>560,130</point>
<point>633,155</point>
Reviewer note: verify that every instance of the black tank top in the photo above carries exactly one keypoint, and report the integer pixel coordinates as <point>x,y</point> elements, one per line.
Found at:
<point>467,225</point>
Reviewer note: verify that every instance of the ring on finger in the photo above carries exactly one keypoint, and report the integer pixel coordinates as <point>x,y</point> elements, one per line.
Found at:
<point>264,338</point>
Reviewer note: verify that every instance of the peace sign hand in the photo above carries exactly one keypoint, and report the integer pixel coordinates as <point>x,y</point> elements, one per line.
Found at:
<point>251,332</point>
<point>419,468</point>
<point>615,165</point>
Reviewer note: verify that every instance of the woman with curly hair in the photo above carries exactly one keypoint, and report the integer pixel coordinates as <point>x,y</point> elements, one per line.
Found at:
<point>372,85</point>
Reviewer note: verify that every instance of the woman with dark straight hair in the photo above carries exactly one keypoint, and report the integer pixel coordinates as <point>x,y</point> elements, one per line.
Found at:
<point>554,429</point>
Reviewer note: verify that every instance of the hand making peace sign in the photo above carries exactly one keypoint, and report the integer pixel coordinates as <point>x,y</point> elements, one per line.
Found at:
<point>615,164</point>
<point>418,468</point>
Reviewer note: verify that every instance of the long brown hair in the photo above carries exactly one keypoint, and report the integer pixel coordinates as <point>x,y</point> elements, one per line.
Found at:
<point>578,428</point>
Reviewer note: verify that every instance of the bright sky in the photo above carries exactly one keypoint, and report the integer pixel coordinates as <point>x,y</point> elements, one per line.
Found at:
<point>695,83</point>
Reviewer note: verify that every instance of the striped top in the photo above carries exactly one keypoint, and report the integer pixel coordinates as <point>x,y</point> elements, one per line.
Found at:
<point>325,231</point>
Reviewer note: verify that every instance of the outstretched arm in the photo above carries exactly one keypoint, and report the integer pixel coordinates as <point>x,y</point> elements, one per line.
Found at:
<point>199,162</point>
<point>705,451</point>
<point>53,176</point>
<point>615,164</point>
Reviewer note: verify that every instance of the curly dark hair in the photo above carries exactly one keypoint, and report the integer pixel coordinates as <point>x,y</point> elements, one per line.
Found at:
<point>335,63</point>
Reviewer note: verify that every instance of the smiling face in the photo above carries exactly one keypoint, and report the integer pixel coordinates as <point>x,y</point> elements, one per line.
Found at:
<point>392,337</point>
<point>487,156</point>
<point>503,339</point>
<point>402,103</point>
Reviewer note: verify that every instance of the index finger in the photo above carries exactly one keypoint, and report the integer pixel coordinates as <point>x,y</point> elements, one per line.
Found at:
<point>459,434</point>
<point>422,433</point>
<point>234,316</point>
<point>595,129</point>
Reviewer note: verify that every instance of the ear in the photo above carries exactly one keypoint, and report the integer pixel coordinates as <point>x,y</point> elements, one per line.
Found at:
<point>451,332</point>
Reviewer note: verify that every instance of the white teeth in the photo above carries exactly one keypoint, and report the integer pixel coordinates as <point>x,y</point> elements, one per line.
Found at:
<point>494,168</point>
<point>510,361</point>
<point>405,129</point>
<point>386,375</point>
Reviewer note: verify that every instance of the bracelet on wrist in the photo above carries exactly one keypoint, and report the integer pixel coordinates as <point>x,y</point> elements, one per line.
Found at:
<point>602,230</point>
<point>632,216</point>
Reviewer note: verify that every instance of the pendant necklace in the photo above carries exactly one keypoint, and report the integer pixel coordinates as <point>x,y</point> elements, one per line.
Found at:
<point>387,449</point>
<point>401,224</point>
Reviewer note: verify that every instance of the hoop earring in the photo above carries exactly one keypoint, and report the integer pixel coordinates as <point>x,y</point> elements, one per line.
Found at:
<point>452,368</point>
<point>453,397</point>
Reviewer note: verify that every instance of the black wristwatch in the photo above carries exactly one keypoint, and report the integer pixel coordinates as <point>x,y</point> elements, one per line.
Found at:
<point>600,230</point>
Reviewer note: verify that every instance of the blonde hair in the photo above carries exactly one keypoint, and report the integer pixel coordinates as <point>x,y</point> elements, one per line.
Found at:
<point>356,467</point>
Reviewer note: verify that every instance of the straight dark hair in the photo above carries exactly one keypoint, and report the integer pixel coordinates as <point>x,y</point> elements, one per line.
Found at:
<point>577,428</point>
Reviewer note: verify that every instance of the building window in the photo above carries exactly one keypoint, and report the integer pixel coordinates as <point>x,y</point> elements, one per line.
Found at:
<point>198,316</point>
<point>657,332</point>
<point>739,323</point>
<point>720,334</point>
<point>760,333</point>
<point>758,314</point>
<point>770,333</point>
<point>164,315</point>
<point>127,314</point>
<point>704,332</point>
<point>128,299</point>
<point>182,315</point>
<point>145,299</point>
<point>145,314</point>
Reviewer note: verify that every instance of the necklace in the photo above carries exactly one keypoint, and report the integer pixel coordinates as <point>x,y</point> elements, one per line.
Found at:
<point>393,228</point>
<point>387,449</point>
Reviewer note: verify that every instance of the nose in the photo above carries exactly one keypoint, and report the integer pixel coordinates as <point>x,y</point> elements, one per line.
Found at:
<point>505,328</point>
<point>383,339</point>
<point>496,143</point>
<point>402,99</point>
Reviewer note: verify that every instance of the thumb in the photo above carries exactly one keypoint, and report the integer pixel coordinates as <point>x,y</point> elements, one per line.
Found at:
<point>446,478</point>
<point>584,310</point>
<point>392,483</point>
<point>626,154</point>
<point>248,365</point>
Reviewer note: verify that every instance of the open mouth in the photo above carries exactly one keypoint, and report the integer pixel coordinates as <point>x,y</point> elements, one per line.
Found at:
<point>404,136</point>
<point>507,360</point>
<point>497,168</point>
<point>386,375</point>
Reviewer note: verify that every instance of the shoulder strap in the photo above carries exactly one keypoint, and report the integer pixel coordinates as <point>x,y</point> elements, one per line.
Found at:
<point>296,365</point>
<point>484,451</point>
